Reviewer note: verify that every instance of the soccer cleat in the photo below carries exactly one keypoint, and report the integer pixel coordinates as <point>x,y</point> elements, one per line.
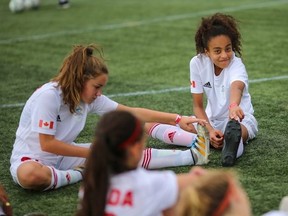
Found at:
<point>200,148</point>
<point>80,169</point>
<point>232,137</point>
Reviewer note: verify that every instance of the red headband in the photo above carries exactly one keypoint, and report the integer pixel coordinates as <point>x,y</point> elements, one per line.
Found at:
<point>225,202</point>
<point>134,135</point>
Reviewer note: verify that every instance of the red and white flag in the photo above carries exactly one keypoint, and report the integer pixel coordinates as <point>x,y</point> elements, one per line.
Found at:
<point>46,124</point>
<point>193,84</point>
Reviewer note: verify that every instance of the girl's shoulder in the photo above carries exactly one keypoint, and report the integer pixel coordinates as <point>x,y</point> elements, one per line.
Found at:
<point>49,91</point>
<point>200,58</point>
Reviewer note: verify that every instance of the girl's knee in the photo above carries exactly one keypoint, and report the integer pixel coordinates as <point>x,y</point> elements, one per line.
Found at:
<point>33,176</point>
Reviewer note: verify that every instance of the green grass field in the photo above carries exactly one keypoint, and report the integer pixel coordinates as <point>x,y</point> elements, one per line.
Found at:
<point>148,45</point>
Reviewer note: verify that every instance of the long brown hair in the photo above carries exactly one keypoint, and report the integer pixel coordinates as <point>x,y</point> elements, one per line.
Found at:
<point>218,24</point>
<point>78,67</point>
<point>115,131</point>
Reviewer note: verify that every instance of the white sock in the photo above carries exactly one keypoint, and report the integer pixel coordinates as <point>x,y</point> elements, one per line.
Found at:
<point>172,135</point>
<point>240,150</point>
<point>162,158</point>
<point>62,178</point>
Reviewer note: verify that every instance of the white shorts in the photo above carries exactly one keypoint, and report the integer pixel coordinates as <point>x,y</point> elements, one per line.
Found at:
<point>62,162</point>
<point>249,122</point>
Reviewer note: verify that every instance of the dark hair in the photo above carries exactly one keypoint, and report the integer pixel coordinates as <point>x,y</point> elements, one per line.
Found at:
<point>218,24</point>
<point>76,69</point>
<point>115,131</point>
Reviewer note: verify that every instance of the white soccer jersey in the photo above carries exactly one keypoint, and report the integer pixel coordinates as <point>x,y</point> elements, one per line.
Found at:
<point>217,88</point>
<point>141,192</point>
<point>45,112</point>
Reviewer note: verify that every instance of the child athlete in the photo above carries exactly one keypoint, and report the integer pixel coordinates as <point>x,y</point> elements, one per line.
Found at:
<point>217,71</point>
<point>221,75</point>
<point>44,153</point>
<point>114,184</point>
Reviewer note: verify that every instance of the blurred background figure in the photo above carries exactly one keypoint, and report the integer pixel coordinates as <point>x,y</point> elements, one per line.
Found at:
<point>217,193</point>
<point>283,209</point>
<point>64,4</point>
<point>17,6</point>
<point>5,205</point>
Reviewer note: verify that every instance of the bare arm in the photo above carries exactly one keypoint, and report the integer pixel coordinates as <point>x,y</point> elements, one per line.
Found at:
<point>148,115</point>
<point>50,144</point>
<point>236,90</point>
<point>216,136</point>
<point>184,180</point>
<point>199,110</point>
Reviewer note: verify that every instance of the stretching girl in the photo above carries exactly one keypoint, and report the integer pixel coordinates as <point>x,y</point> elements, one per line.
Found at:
<point>217,71</point>
<point>45,155</point>
<point>221,75</point>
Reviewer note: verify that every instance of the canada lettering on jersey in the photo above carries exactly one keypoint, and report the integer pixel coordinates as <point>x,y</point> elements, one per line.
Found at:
<point>46,124</point>
<point>121,198</point>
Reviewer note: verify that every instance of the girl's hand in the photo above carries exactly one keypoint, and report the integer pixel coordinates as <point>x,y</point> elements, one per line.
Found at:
<point>186,123</point>
<point>236,113</point>
<point>216,138</point>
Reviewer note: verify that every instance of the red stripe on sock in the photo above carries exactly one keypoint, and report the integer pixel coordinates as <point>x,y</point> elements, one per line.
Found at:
<point>152,128</point>
<point>147,158</point>
<point>55,178</point>
<point>144,158</point>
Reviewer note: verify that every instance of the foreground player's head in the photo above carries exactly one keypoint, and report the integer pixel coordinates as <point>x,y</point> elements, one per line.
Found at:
<point>78,68</point>
<point>117,134</point>
<point>117,148</point>
<point>216,193</point>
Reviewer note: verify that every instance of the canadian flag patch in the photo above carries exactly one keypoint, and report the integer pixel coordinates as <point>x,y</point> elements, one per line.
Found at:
<point>46,124</point>
<point>193,84</point>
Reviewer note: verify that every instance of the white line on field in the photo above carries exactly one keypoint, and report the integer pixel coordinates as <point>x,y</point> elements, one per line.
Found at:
<point>143,22</point>
<point>153,92</point>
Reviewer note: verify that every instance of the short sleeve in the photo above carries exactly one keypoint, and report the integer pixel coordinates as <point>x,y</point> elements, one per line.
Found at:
<point>238,71</point>
<point>102,105</point>
<point>44,111</point>
<point>196,85</point>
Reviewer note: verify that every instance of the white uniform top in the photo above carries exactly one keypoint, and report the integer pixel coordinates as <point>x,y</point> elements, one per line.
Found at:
<point>45,112</point>
<point>217,88</point>
<point>141,192</point>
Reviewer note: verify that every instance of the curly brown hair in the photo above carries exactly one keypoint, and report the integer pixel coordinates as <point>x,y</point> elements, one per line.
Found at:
<point>215,25</point>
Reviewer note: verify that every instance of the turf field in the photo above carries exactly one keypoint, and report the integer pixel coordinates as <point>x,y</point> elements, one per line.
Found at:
<point>148,45</point>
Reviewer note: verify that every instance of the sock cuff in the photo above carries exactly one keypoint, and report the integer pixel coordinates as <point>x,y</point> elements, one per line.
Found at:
<point>152,128</point>
<point>54,179</point>
<point>146,158</point>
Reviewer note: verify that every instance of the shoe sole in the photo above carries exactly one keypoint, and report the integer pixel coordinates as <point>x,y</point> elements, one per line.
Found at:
<point>232,137</point>
<point>201,146</point>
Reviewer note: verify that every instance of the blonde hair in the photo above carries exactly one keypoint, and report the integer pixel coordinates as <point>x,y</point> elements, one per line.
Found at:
<point>77,68</point>
<point>208,196</point>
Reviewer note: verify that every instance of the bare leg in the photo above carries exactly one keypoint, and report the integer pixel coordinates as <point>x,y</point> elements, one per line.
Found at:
<point>33,175</point>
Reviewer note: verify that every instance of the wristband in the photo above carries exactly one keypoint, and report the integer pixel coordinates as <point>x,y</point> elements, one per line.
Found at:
<point>232,105</point>
<point>178,119</point>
